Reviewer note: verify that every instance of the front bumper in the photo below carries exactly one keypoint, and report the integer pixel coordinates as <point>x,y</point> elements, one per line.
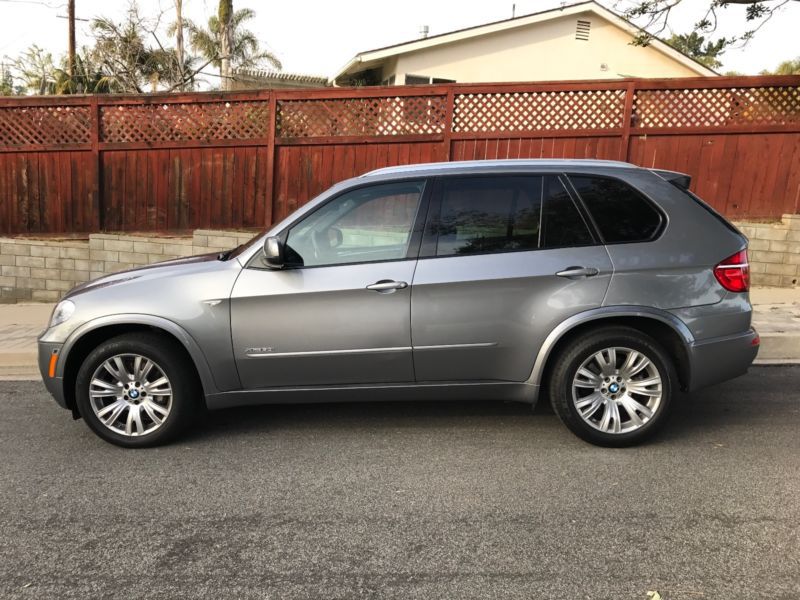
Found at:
<point>54,385</point>
<point>721,358</point>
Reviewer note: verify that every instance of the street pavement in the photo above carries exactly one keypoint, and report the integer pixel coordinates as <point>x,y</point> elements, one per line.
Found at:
<point>407,501</point>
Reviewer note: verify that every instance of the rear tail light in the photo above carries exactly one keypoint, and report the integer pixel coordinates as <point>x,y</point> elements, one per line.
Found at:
<point>733,273</point>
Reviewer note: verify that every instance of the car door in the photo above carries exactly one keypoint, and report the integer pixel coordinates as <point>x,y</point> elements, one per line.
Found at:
<point>338,312</point>
<point>505,258</point>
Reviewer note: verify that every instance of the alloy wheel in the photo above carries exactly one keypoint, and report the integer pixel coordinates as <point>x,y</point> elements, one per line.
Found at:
<point>617,390</point>
<point>130,394</point>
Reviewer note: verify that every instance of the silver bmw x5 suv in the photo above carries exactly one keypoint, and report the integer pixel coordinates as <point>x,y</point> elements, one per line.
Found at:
<point>605,286</point>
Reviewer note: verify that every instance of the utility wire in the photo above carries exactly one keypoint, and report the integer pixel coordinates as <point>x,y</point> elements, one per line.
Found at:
<point>38,2</point>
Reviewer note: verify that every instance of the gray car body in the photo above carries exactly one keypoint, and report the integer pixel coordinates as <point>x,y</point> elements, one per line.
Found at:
<point>478,326</point>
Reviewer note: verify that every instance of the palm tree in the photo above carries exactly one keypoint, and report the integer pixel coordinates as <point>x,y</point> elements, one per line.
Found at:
<point>36,70</point>
<point>213,42</point>
<point>788,67</point>
<point>129,63</point>
<point>87,78</point>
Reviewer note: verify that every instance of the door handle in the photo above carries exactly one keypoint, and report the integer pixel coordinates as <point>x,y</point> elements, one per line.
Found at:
<point>387,285</point>
<point>576,272</point>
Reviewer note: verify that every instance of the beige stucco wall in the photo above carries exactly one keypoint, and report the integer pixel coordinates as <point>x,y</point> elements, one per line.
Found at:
<point>543,51</point>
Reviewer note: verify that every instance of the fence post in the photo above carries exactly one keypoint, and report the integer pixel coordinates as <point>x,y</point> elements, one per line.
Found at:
<point>448,124</point>
<point>627,118</point>
<point>269,198</point>
<point>98,202</point>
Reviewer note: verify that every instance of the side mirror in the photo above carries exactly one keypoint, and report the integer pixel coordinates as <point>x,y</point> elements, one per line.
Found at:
<point>273,252</point>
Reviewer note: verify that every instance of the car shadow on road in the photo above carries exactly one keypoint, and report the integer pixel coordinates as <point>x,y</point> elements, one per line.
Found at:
<point>348,416</point>
<point>699,415</point>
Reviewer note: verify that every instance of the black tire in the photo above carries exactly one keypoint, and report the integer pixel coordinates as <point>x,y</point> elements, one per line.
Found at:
<point>186,401</point>
<point>581,349</point>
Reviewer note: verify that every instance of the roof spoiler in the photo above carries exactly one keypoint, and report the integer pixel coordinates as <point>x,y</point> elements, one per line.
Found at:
<point>681,180</point>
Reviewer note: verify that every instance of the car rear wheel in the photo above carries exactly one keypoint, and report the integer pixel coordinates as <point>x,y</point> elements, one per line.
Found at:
<point>137,390</point>
<point>613,387</point>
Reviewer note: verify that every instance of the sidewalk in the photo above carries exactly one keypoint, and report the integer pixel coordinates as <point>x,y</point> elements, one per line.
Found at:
<point>777,318</point>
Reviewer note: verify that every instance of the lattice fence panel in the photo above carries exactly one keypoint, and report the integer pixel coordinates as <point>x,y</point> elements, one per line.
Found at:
<point>539,111</point>
<point>408,115</point>
<point>718,107</point>
<point>176,122</point>
<point>44,125</point>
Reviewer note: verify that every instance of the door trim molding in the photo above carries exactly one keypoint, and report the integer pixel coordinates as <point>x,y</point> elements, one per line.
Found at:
<point>327,352</point>
<point>452,346</point>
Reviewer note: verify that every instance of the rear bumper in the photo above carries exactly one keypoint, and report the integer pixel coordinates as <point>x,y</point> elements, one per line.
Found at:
<point>54,385</point>
<point>722,358</point>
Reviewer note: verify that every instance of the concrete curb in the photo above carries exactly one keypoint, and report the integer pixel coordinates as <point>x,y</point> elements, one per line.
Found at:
<point>779,347</point>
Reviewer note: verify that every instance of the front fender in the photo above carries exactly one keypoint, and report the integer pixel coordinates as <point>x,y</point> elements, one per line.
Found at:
<point>188,342</point>
<point>597,314</point>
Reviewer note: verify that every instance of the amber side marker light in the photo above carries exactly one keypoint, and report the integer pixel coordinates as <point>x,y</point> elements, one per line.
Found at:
<point>53,360</point>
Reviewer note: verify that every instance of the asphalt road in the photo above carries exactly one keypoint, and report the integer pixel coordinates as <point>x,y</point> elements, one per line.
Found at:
<point>451,501</point>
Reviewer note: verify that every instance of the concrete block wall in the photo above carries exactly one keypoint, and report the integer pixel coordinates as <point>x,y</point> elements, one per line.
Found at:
<point>774,251</point>
<point>43,270</point>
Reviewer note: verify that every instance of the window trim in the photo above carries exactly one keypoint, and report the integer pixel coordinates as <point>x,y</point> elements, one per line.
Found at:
<point>663,219</point>
<point>430,79</point>
<point>413,243</point>
<point>430,237</point>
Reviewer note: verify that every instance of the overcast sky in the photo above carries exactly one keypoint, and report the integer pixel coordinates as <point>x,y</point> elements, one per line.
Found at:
<point>320,36</point>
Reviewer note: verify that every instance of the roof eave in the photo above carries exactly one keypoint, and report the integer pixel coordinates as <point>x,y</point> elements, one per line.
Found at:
<point>447,38</point>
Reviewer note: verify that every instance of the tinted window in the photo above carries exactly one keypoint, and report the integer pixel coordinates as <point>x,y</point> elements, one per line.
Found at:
<point>563,224</point>
<point>622,214</point>
<point>489,214</point>
<point>364,225</point>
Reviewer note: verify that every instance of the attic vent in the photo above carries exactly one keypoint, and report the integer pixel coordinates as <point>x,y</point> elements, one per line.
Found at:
<point>582,30</point>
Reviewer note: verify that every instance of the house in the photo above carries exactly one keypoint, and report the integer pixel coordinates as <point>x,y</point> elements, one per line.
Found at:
<point>580,41</point>
<point>249,79</point>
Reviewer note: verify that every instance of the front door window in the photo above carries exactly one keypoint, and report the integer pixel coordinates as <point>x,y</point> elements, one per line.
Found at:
<point>369,224</point>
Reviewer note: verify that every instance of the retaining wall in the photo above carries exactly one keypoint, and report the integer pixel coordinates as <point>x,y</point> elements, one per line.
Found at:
<point>42,270</point>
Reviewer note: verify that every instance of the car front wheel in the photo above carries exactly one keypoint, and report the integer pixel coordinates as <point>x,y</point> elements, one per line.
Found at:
<point>613,387</point>
<point>137,390</point>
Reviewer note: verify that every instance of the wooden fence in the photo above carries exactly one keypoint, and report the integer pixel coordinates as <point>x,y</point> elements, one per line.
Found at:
<point>245,160</point>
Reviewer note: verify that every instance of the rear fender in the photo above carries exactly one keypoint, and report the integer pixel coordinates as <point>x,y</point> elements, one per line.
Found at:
<point>598,314</point>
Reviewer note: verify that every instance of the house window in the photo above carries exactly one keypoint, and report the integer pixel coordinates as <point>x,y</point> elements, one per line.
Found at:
<point>389,80</point>
<point>582,30</point>
<point>425,80</point>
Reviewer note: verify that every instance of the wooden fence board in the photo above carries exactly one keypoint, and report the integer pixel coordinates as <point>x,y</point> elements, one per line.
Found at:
<point>247,159</point>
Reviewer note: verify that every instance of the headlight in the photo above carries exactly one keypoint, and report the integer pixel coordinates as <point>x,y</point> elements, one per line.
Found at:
<point>62,312</point>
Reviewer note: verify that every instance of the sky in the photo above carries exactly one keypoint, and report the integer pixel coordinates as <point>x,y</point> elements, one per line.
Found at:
<point>319,36</point>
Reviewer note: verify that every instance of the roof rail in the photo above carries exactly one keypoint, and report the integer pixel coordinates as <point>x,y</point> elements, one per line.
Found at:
<point>517,162</point>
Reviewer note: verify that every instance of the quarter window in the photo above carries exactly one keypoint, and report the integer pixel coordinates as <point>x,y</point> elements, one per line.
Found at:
<point>621,213</point>
<point>365,225</point>
<point>489,214</point>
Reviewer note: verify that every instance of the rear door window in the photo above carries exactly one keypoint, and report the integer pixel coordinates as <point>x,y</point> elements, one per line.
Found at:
<point>563,224</point>
<point>621,213</point>
<point>481,215</point>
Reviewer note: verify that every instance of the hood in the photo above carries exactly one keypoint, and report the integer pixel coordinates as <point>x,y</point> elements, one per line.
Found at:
<point>158,269</point>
